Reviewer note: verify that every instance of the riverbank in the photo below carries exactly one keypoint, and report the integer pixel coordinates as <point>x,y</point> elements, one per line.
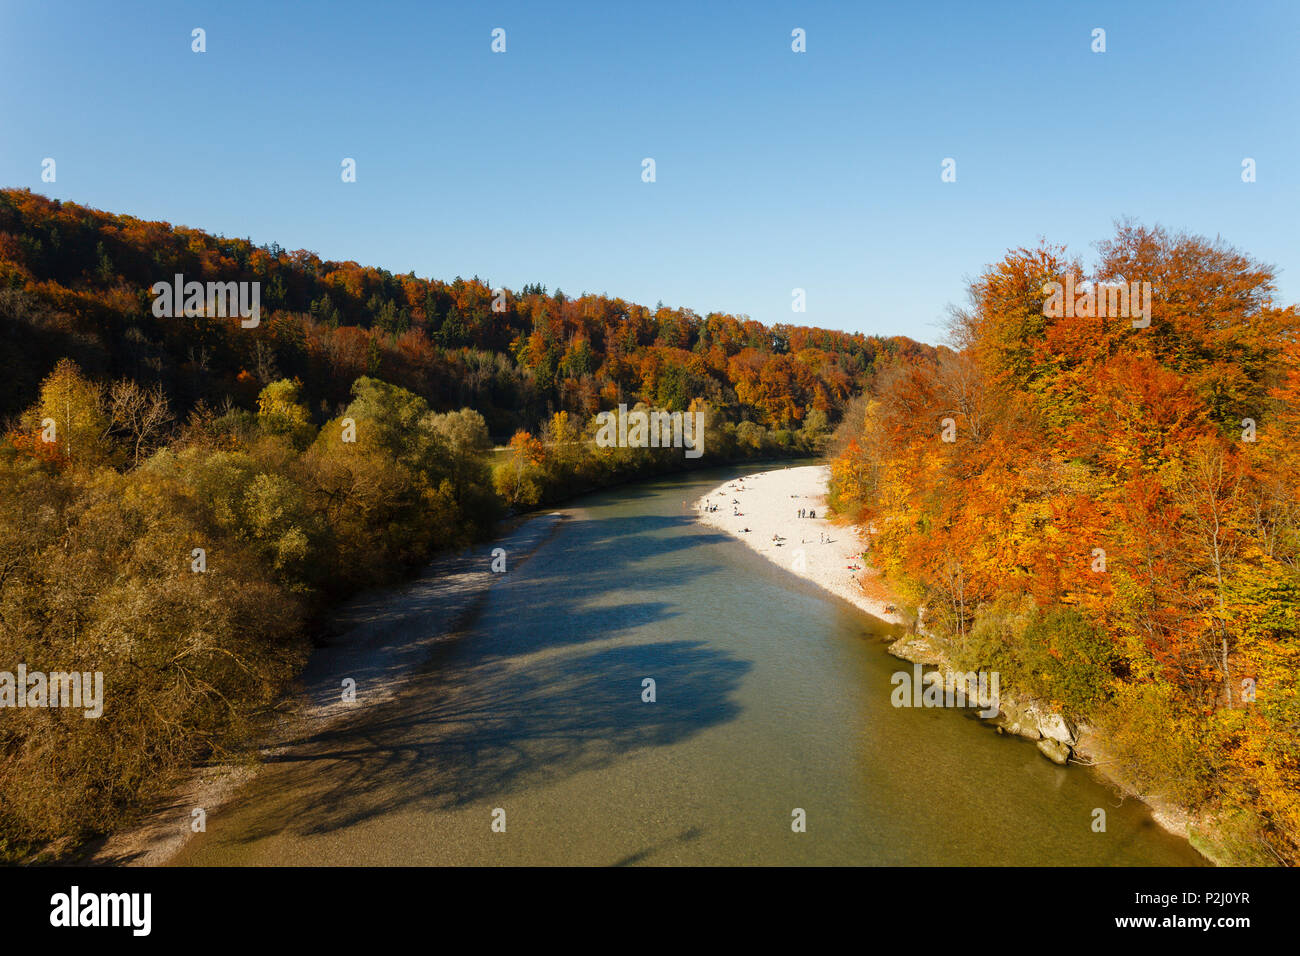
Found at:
<point>770,512</point>
<point>763,510</point>
<point>375,649</point>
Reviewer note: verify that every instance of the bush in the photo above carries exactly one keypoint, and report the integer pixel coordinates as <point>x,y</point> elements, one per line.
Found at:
<point>996,639</point>
<point>1071,659</point>
<point>1058,654</point>
<point>1157,745</point>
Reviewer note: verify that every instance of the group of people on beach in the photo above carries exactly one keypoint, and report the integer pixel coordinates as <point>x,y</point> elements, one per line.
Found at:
<point>856,564</point>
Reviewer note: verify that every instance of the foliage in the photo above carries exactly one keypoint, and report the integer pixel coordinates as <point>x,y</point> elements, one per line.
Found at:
<point>1115,522</point>
<point>181,497</point>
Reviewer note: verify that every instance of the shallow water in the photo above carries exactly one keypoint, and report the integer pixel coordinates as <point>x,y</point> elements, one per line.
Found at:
<point>771,696</point>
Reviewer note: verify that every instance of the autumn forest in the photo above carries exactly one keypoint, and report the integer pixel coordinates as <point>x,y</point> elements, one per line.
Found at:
<point>1105,511</point>
<point>176,434</point>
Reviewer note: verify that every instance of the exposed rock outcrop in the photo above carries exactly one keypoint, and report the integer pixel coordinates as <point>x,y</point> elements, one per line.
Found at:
<point>917,650</point>
<point>1054,734</point>
<point>1054,750</point>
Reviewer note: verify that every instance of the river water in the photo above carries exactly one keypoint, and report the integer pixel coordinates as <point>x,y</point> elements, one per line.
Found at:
<point>770,696</point>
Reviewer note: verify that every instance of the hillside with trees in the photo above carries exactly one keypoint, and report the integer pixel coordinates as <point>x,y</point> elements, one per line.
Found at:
<point>76,285</point>
<point>181,498</point>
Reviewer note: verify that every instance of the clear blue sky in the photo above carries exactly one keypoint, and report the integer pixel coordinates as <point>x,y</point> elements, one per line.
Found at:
<point>775,170</point>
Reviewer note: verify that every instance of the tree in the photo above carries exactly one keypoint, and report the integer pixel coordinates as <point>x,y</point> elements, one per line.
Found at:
<point>464,435</point>
<point>72,410</point>
<point>143,415</point>
<point>279,412</point>
<point>517,479</point>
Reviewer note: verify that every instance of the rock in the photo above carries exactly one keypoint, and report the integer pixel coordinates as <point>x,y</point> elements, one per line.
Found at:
<point>983,699</point>
<point>1019,719</point>
<point>1054,750</point>
<point>917,650</point>
<point>1055,727</point>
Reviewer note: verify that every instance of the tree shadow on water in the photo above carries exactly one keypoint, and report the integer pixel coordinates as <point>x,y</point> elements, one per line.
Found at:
<point>481,732</point>
<point>501,692</point>
<point>391,631</point>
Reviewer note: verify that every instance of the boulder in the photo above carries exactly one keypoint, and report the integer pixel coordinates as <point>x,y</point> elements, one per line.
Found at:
<point>1055,727</point>
<point>1054,750</point>
<point>1018,719</point>
<point>917,650</point>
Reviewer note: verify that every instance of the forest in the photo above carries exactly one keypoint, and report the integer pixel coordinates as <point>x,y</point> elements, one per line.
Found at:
<point>183,498</point>
<point>1105,510</point>
<point>1101,508</point>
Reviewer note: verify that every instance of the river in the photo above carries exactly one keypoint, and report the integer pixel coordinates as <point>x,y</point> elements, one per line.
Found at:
<point>770,696</point>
